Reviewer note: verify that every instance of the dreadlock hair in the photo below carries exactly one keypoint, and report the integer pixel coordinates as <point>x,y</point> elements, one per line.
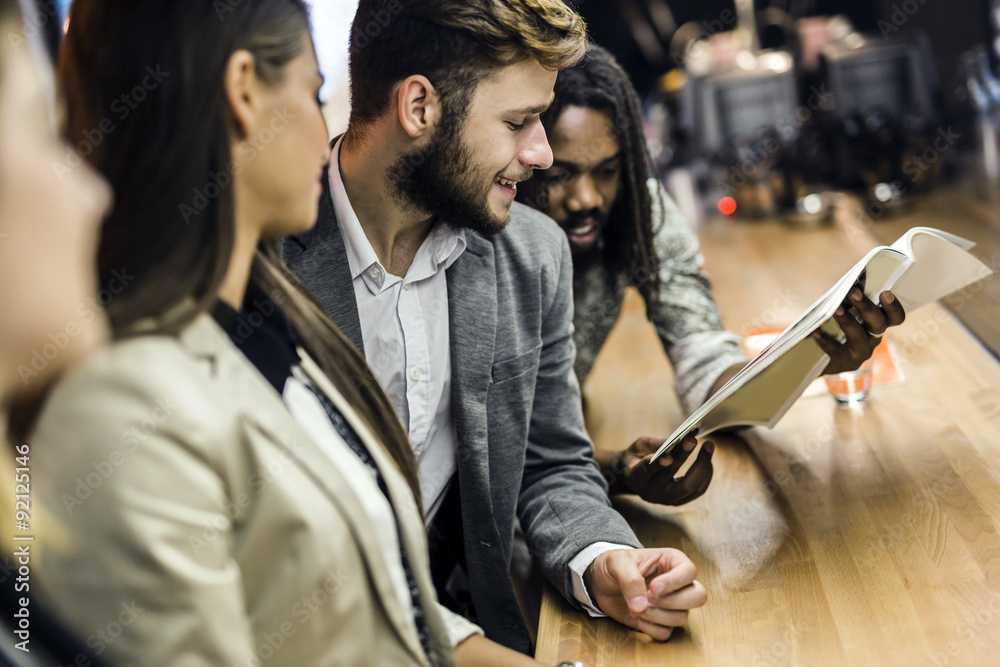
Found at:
<point>598,82</point>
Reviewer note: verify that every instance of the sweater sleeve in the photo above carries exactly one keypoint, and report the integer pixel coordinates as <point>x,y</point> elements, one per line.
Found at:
<point>685,314</point>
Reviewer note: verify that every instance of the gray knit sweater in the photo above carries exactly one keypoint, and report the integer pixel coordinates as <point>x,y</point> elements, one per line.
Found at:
<point>685,315</point>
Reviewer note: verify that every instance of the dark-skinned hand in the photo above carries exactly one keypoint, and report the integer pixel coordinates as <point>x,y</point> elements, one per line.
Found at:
<point>655,482</point>
<point>862,335</point>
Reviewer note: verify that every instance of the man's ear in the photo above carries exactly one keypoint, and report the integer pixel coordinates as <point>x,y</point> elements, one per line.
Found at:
<point>242,92</point>
<point>418,106</point>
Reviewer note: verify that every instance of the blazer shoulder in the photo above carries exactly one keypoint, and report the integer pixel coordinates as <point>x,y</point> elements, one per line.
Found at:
<point>148,378</point>
<point>532,234</point>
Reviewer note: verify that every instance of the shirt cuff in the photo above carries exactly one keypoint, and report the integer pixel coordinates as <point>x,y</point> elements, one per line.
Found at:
<point>579,565</point>
<point>458,627</point>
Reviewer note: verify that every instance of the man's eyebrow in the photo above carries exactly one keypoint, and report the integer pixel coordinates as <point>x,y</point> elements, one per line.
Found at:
<point>530,111</point>
<point>570,164</point>
<point>565,164</point>
<point>537,109</point>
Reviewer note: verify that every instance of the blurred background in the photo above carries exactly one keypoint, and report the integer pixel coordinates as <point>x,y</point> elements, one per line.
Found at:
<point>758,109</point>
<point>774,107</point>
<point>777,107</point>
<point>331,27</point>
<point>879,114</point>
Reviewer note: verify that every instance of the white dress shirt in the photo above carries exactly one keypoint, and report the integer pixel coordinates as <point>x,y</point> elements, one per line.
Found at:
<point>404,326</point>
<point>405,330</point>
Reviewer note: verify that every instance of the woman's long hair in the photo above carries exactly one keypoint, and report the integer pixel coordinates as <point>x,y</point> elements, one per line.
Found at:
<point>146,105</point>
<point>598,82</point>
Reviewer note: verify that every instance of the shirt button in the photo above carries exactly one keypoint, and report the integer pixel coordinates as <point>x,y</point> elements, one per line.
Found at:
<point>416,374</point>
<point>406,286</point>
<point>375,272</point>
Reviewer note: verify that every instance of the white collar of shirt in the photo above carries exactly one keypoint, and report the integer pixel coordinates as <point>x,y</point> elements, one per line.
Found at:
<point>445,243</point>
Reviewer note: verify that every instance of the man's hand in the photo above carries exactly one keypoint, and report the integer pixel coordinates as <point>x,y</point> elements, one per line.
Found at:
<point>632,472</point>
<point>650,590</point>
<point>862,336</point>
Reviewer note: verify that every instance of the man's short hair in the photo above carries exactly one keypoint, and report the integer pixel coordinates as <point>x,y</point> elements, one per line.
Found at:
<point>455,44</point>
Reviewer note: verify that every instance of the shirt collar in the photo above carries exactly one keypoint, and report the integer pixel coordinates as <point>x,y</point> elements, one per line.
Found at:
<point>360,255</point>
<point>445,243</point>
<point>439,251</point>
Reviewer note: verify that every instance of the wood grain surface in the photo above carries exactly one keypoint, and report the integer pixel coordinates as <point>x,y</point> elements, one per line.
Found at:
<point>864,536</point>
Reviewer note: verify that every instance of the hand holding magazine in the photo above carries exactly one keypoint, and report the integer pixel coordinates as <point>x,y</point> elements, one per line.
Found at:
<point>923,265</point>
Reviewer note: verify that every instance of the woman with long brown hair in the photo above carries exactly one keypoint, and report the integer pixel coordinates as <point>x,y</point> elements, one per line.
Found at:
<point>236,487</point>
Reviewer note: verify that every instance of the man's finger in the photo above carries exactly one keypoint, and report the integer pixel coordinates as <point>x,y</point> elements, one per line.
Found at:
<point>679,455</point>
<point>671,618</point>
<point>698,476</point>
<point>858,345</point>
<point>631,583</point>
<point>893,309</point>
<point>871,314</point>
<point>654,479</point>
<point>841,356</point>
<point>640,473</point>
<point>833,348</point>
<point>691,596</point>
<point>683,448</point>
<point>682,490</point>
<point>700,491</point>
<point>646,445</point>
<point>658,632</point>
<point>678,572</point>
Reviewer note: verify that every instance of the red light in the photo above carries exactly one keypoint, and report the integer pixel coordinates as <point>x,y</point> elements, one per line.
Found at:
<point>727,206</point>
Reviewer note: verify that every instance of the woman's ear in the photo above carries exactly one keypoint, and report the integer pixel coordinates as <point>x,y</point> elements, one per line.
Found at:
<point>418,106</point>
<point>242,92</point>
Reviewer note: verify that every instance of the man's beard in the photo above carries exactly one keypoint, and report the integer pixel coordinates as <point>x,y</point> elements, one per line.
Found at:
<point>581,219</point>
<point>441,179</point>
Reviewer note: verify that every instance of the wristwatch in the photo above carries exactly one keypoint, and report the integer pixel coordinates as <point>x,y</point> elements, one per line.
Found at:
<point>571,663</point>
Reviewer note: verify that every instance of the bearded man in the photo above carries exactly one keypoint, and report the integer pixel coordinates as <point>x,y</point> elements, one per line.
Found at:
<point>462,302</point>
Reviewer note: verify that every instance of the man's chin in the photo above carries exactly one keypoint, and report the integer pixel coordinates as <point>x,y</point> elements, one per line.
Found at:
<point>584,256</point>
<point>486,221</point>
<point>492,220</point>
<point>500,218</point>
<point>488,226</point>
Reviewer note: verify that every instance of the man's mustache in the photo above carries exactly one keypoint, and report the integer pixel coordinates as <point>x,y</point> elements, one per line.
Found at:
<point>585,218</point>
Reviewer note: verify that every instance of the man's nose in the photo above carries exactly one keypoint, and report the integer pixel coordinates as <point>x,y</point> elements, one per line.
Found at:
<point>583,196</point>
<point>536,153</point>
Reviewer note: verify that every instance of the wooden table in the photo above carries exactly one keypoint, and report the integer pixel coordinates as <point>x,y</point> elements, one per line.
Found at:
<point>844,536</point>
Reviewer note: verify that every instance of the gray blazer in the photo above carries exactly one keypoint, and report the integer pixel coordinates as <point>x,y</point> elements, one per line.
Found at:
<point>522,447</point>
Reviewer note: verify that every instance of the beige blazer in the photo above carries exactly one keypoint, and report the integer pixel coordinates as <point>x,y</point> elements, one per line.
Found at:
<point>207,528</point>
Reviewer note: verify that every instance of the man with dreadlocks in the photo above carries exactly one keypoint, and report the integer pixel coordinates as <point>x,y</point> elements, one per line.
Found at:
<point>623,230</point>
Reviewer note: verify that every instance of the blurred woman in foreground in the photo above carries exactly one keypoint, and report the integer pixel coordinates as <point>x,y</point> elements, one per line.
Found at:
<point>48,237</point>
<point>237,488</point>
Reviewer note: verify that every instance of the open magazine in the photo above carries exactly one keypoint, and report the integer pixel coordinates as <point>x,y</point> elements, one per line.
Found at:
<point>923,265</point>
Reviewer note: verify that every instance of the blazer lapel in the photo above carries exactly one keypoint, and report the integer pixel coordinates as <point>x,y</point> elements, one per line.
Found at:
<point>408,517</point>
<point>472,304</point>
<point>268,412</point>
